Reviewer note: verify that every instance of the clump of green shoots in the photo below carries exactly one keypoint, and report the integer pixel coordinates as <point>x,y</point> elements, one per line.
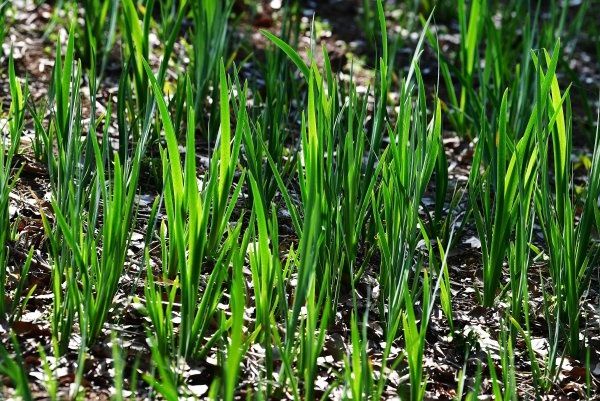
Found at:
<point>568,242</point>
<point>407,168</point>
<point>100,275</point>
<point>198,218</point>
<point>82,188</point>
<point>310,294</point>
<point>337,141</point>
<point>62,136</point>
<point>501,193</point>
<point>493,193</point>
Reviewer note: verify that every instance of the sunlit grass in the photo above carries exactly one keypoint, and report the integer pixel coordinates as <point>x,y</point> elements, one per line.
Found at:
<point>303,207</point>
